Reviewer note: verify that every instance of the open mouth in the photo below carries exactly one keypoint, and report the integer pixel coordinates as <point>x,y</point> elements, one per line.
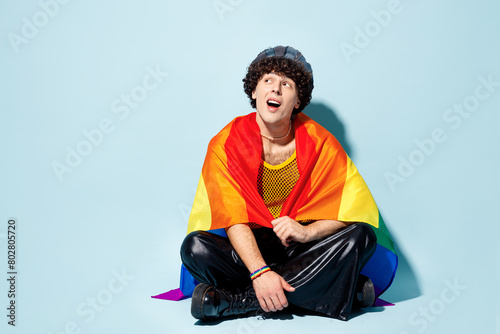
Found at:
<point>273,103</point>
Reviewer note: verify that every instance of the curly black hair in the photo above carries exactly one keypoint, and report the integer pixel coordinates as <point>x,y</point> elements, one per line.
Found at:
<point>281,66</point>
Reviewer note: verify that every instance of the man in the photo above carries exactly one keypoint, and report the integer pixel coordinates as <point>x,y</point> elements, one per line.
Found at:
<point>301,225</point>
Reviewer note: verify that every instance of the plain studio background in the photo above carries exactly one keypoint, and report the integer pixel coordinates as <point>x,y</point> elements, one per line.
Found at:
<point>107,109</point>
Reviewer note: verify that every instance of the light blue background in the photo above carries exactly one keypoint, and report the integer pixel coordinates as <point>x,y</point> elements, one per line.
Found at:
<point>124,207</point>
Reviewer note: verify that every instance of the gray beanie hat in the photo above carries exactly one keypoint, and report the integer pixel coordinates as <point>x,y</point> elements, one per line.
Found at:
<point>286,52</point>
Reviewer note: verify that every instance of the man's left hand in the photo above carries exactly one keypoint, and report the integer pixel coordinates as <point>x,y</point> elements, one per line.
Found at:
<point>288,229</point>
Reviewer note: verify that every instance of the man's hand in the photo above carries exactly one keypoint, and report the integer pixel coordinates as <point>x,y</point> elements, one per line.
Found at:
<point>269,290</point>
<point>288,229</point>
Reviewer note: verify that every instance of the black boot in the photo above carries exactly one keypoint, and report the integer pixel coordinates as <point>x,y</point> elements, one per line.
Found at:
<point>210,303</point>
<point>365,292</point>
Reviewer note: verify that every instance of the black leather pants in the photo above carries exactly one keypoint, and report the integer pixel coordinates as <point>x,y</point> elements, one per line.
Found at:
<point>323,272</point>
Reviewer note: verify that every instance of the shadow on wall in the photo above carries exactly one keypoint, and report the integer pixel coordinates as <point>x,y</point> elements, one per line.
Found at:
<point>327,118</point>
<point>405,285</point>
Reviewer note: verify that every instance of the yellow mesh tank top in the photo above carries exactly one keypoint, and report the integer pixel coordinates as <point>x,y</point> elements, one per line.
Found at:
<point>275,183</point>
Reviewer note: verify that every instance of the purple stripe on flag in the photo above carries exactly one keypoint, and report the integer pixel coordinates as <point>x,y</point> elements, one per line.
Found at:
<point>170,295</point>
<point>381,302</point>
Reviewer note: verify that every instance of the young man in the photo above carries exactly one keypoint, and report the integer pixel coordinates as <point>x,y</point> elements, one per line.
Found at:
<point>301,224</point>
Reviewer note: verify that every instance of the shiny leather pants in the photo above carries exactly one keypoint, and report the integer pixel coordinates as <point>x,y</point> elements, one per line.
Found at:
<point>323,272</point>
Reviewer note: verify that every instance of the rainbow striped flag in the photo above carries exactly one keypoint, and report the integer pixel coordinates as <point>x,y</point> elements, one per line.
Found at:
<point>329,187</point>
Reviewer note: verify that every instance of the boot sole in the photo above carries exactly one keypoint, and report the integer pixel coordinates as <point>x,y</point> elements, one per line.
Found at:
<point>197,300</point>
<point>369,294</point>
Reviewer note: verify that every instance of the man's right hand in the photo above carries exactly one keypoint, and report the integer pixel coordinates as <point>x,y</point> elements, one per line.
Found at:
<point>269,288</point>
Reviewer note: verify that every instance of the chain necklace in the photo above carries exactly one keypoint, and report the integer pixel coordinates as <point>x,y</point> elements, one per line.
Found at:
<point>278,138</point>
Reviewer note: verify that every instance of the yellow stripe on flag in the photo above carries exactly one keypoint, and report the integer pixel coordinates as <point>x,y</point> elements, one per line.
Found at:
<point>201,216</point>
<point>357,204</point>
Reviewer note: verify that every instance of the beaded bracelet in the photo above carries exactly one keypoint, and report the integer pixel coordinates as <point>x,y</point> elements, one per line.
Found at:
<point>259,272</point>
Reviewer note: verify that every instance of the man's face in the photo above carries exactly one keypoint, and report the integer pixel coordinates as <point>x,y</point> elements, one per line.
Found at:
<point>276,97</point>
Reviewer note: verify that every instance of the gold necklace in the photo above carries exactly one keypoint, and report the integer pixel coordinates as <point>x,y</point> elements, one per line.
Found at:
<point>278,138</point>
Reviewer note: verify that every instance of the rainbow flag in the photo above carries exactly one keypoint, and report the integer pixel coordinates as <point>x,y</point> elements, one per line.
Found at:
<point>329,187</point>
